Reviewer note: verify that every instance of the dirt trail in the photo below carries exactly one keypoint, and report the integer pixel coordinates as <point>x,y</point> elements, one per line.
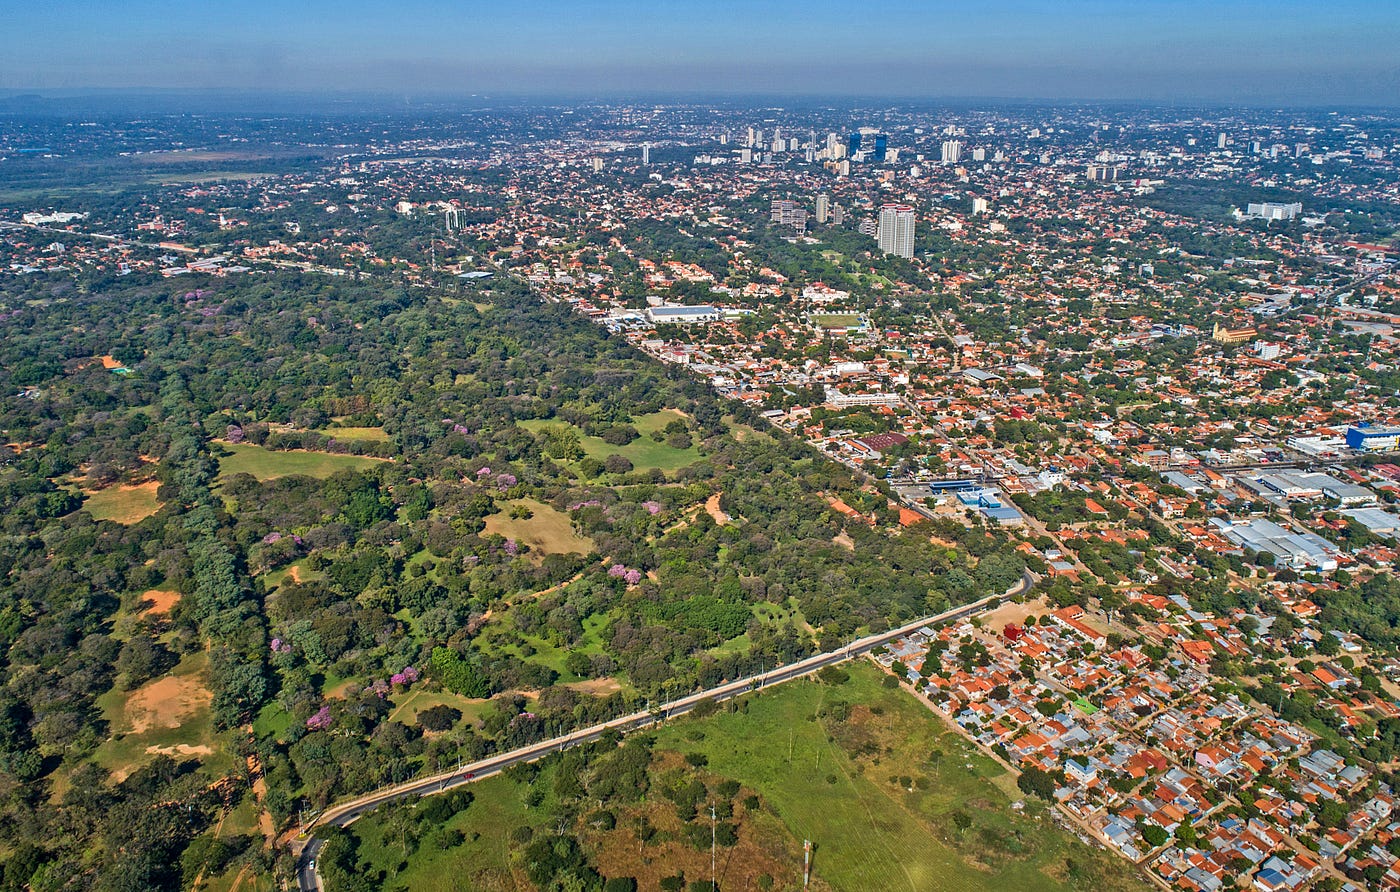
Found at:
<point>713,509</point>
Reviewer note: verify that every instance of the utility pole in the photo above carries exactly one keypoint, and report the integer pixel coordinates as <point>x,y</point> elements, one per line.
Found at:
<point>712,848</point>
<point>806,862</point>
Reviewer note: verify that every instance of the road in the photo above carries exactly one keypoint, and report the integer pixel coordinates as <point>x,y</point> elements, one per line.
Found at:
<point>308,879</point>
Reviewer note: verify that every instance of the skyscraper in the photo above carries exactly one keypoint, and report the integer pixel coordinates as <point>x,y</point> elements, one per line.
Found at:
<point>896,230</point>
<point>597,165</point>
<point>853,143</point>
<point>952,151</point>
<point>646,153</point>
<point>880,147</point>
<point>823,207</point>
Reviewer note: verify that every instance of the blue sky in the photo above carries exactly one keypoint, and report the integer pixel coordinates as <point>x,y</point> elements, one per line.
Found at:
<point>1279,52</point>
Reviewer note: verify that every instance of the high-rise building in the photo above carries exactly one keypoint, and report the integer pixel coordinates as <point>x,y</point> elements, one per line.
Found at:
<point>979,154</point>
<point>853,143</point>
<point>895,234</point>
<point>746,156</point>
<point>880,139</point>
<point>748,139</point>
<point>952,151</point>
<point>823,207</point>
<point>838,215</point>
<point>724,139</point>
<point>597,165</point>
<point>979,206</point>
<point>646,153</point>
<point>788,213</point>
<point>1220,141</point>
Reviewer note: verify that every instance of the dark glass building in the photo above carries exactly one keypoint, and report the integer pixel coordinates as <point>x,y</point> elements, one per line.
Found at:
<point>879,147</point>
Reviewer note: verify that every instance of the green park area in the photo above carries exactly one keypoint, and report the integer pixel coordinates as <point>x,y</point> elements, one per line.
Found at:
<point>891,798</point>
<point>123,504</point>
<point>644,452</point>
<point>836,321</point>
<point>356,434</point>
<point>267,464</point>
<point>545,529</point>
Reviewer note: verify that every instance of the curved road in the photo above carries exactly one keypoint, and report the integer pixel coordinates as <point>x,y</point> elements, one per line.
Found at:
<point>346,812</point>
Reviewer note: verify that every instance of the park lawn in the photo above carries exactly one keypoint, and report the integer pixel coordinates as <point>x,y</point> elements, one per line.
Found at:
<point>644,453</point>
<point>123,504</point>
<point>547,531</point>
<point>870,832</point>
<point>408,704</point>
<point>170,715</point>
<point>267,464</point>
<point>356,434</point>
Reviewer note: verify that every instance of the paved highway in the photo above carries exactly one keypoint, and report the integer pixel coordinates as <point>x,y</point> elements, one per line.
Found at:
<point>340,815</point>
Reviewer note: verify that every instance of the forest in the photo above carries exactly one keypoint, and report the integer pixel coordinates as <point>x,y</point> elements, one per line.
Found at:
<point>349,533</point>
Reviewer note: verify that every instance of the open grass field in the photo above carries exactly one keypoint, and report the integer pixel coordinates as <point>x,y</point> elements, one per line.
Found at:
<point>644,452</point>
<point>870,831</point>
<point>356,434</point>
<point>546,531</point>
<point>123,504</point>
<point>169,715</point>
<point>267,464</point>
<point>835,320</point>
<point>864,771</point>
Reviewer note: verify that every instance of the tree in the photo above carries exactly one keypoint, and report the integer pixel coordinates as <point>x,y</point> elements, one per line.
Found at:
<point>1037,782</point>
<point>439,718</point>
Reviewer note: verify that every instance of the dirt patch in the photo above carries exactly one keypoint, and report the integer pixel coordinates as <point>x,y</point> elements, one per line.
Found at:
<point>294,574</point>
<point>158,601</point>
<point>844,541</point>
<point>597,687</point>
<point>165,703</point>
<point>716,513</point>
<point>108,362</point>
<point>181,749</point>
<point>1010,612</point>
<point>338,692</point>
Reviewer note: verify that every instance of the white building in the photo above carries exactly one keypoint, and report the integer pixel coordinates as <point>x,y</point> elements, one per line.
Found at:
<point>895,234</point>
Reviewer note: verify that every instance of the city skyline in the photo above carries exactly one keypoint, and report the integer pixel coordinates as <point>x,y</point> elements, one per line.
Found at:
<point>1242,52</point>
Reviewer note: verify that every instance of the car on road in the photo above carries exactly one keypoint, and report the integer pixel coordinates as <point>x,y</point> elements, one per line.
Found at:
<point>468,775</point>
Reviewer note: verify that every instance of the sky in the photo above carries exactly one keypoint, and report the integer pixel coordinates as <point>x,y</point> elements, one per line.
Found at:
<point>1279,52</point>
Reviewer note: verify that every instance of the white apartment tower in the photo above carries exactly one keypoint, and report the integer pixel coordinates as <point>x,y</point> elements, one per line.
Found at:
<point>895,234</point>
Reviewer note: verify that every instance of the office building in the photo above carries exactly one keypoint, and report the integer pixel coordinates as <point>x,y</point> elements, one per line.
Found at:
<point>788,213</point>
<point>879,155</point>
<point>853,143</point>
<point>1272,210</point>
<point>895,233</point>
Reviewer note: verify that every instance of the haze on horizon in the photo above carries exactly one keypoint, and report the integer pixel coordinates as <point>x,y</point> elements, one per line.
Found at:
<point>1283,52</point>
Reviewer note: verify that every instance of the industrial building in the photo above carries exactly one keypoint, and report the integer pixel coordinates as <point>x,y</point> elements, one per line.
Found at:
<point>1365,438</point>
<point>1300,551</point>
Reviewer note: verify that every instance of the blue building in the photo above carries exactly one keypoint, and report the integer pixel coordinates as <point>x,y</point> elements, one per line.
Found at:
<point>1366,438</point>
<point>854,145</point>
<point>880,147</point>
